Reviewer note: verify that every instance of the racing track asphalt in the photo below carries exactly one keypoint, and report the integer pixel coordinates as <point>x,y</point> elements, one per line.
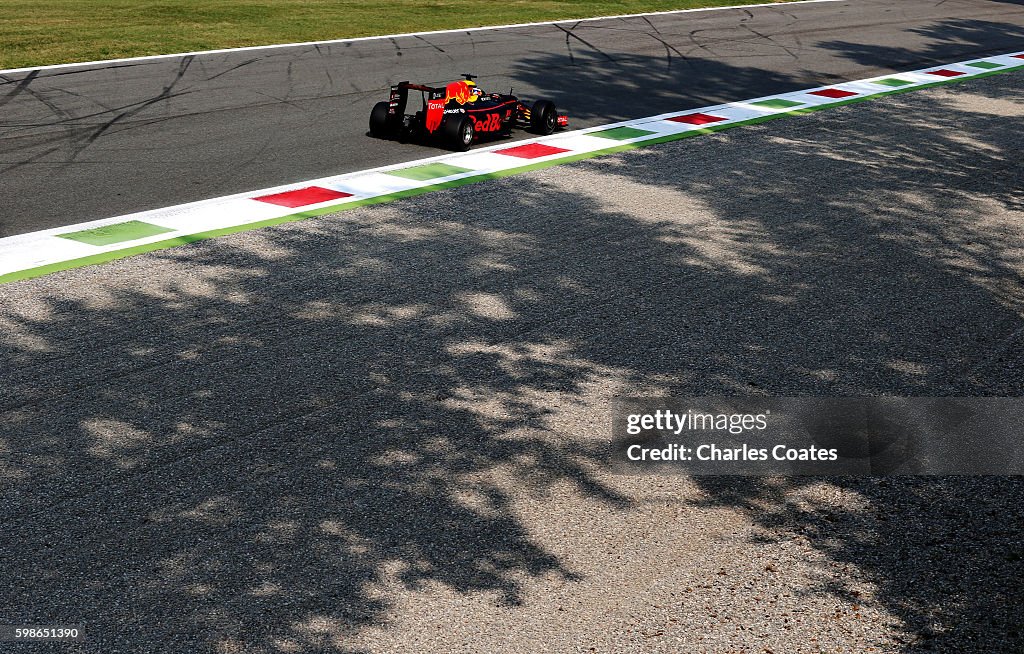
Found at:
<point>83,143</point>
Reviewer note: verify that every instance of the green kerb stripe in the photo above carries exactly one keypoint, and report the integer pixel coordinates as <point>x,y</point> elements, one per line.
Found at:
<point>429,171</point>
<point>777,103</point>
<point>621,133</point>
<point>892,81</point>
<point>131,230</point>
<point>987,65</point>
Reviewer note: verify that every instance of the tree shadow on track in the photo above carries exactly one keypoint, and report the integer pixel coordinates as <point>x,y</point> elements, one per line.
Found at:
<point>692,73</point>
<point>251,444</point>
<point>981,37</point>
<point>634,86</point>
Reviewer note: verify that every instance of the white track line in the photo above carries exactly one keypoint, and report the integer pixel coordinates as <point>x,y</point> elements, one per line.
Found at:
<point>463,30</point>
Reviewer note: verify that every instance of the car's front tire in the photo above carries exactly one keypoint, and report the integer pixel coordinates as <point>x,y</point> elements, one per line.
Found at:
<point>543,117</point>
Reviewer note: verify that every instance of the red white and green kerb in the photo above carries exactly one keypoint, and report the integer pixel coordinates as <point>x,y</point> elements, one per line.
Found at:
<point>30,255</point>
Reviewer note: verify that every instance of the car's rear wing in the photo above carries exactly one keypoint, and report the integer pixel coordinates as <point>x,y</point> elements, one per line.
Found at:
<point>400,96</point>
<point>419,87</point>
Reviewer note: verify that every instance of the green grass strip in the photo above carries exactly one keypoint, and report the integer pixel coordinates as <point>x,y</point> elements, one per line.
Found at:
<point>106,257</point>
<point>37,32</point>
<point>777,103</point>
<point>621,133</point>
<point>429,171</point>
<point>131,230</point>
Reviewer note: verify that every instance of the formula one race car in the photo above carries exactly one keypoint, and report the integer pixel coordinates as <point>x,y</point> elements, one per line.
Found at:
<point>460,113</point>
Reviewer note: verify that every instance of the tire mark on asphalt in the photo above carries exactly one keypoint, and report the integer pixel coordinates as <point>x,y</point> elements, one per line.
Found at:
<point>234,68</point>
<point>40,97</point>
<point>78,71</point>
<point>652,25</point>
<point>669,49</point>
<point>570,34</point>
<point>771,40</point>
<point>39,155</point>
<point>22,87</point>
<point>432,45</point>
<point>166,94</point>
<point>87,98</point>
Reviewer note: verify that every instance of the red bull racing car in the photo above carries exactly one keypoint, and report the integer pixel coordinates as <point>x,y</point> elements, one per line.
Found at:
<point>459,114</point>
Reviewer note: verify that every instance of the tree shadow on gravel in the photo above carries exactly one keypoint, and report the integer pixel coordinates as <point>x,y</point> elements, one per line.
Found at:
<point>867,257</point>
<point>250,443</point>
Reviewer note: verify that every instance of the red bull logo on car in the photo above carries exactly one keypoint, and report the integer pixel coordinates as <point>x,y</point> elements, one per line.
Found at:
<point>489,123</point>
<point>461,92</point>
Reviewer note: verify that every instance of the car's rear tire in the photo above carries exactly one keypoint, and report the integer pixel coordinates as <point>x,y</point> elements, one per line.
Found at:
<point>543,117</point>
<point>381,124</point>
<point>459,132</point>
